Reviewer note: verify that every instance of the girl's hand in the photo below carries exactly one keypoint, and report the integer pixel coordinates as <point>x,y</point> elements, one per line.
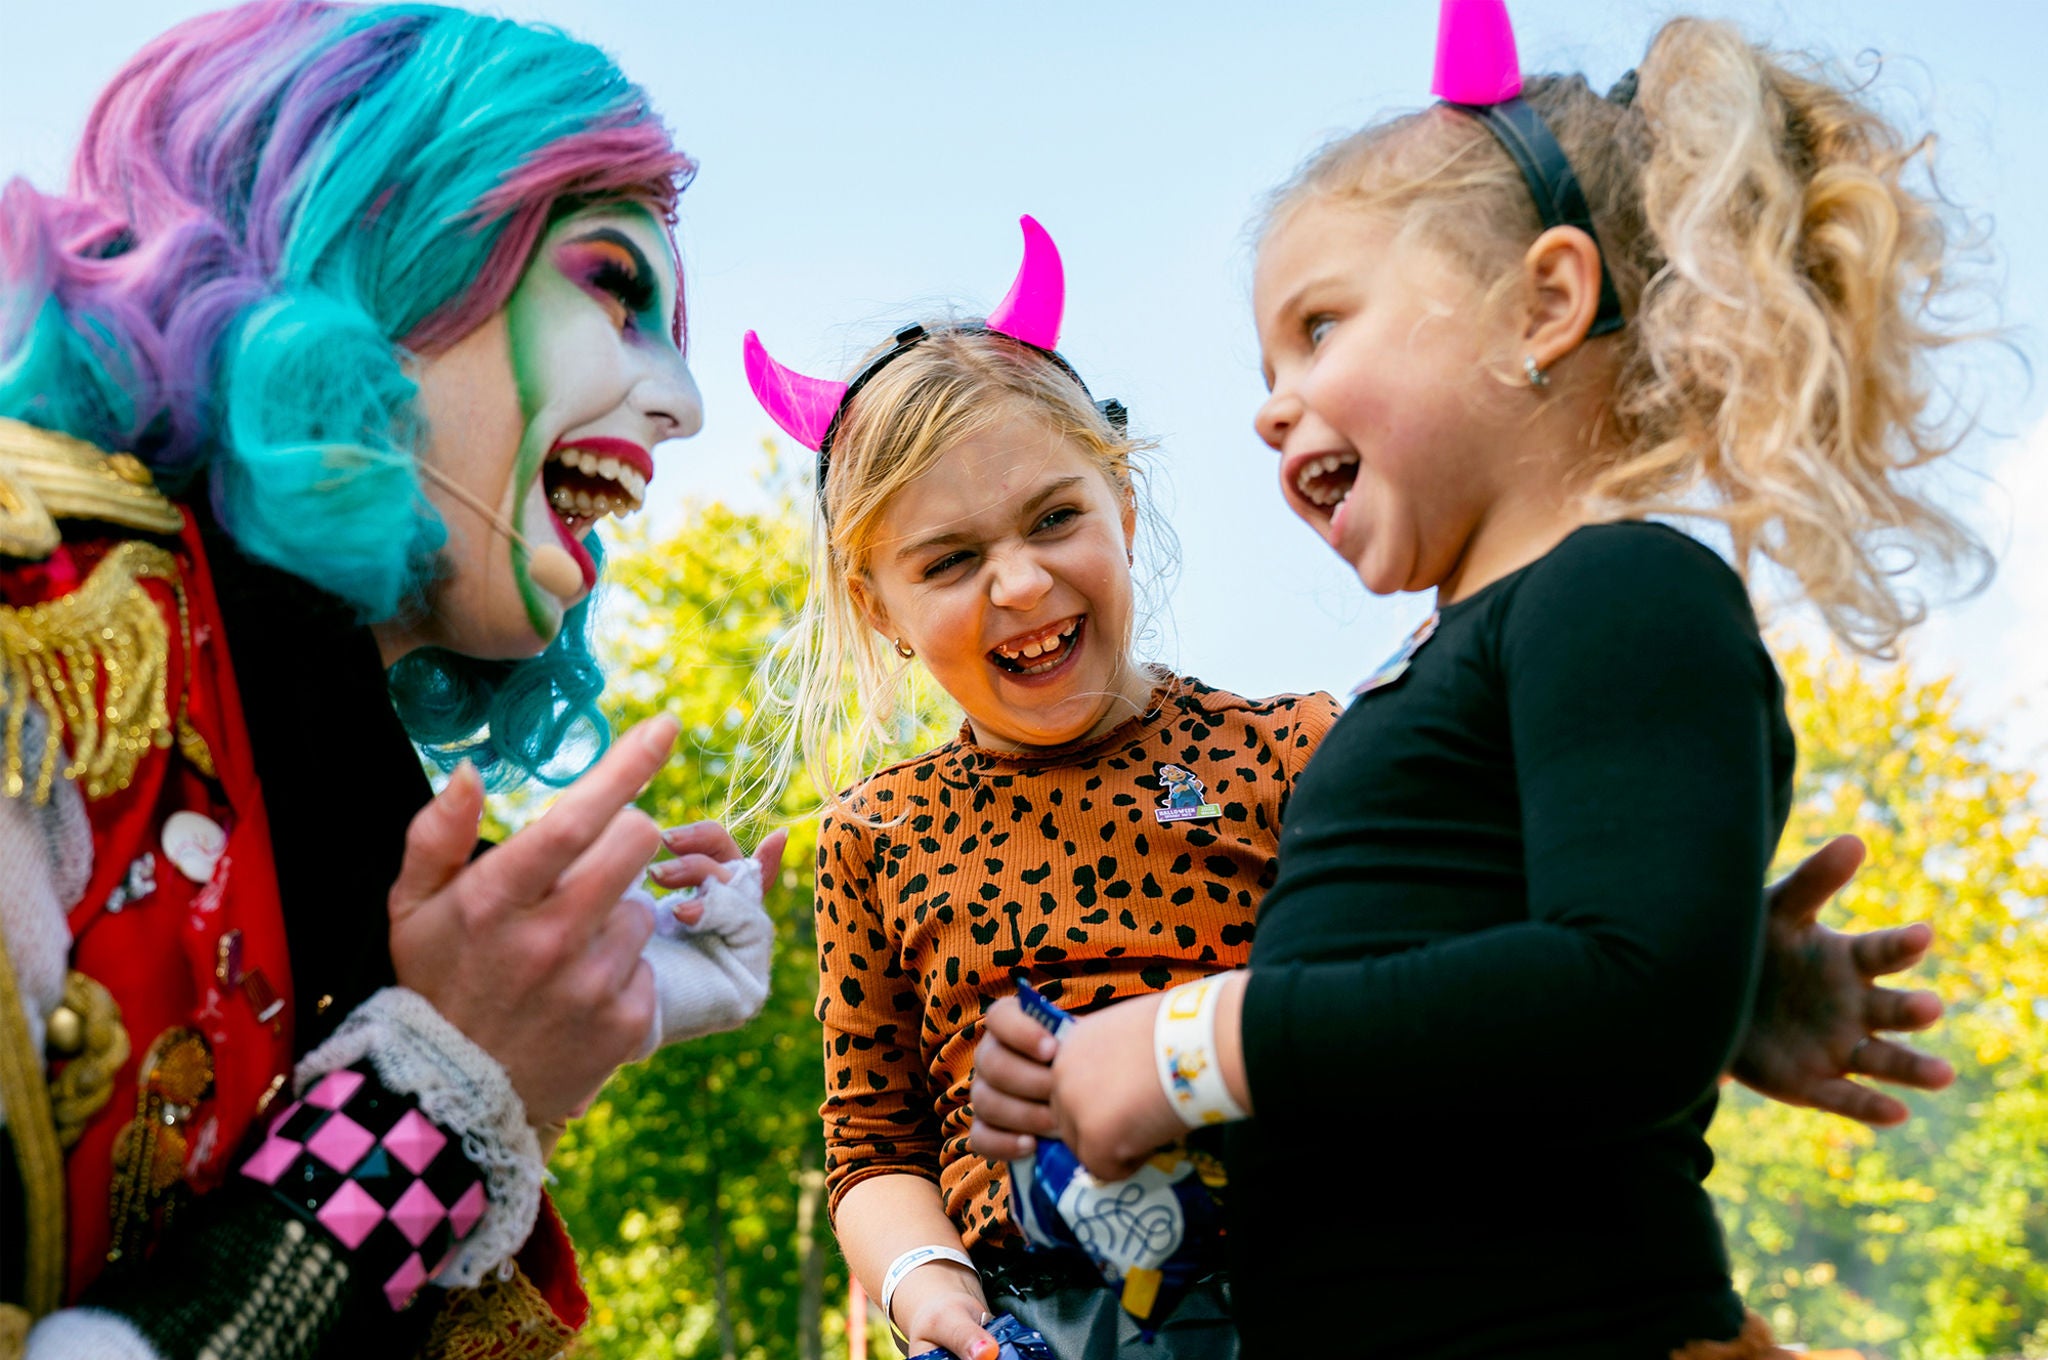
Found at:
<point>1819,1009</point>
<point>706,849</point>
<point>941,1304</point>
<point>1012,1083</point>
<point>1107,1104</point>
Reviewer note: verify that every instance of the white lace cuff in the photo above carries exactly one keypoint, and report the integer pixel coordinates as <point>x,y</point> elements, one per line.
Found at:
<point>464,1090</point>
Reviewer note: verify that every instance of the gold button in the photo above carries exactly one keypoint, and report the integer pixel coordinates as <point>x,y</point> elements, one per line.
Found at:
<point>66,1032</point>
<point>320,1006</point>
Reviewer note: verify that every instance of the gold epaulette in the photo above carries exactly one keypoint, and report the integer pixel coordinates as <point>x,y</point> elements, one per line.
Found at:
<point>45,477</point>
<point>500,1319</point>
<point>97,660</point>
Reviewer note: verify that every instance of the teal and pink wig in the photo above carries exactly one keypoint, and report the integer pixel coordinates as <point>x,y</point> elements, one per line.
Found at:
<point>273,209</point>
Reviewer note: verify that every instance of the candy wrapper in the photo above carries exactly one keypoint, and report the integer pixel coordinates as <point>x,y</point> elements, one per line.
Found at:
<point>1150,1236</point>
<point>1018,1342</point>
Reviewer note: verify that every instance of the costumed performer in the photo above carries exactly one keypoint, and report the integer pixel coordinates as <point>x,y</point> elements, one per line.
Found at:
<point>1516,929</point>
<point>352,323</point>
<point>1101,827</point>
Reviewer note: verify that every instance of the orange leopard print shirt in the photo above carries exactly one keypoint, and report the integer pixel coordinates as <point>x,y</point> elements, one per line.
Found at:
<point>1056,865</point>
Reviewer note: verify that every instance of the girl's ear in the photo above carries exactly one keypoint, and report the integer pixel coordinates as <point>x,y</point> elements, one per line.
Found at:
<point>869,603</point>
<point>1129,497</point>
<point>1561,279</point>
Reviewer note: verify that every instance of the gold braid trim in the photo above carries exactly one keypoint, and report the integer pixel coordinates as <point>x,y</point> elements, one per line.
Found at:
<point>57,655</point>
<point>497,1320</point>
<point>46,476</point>
<point>83,1088</point>
<point>35,1146</point>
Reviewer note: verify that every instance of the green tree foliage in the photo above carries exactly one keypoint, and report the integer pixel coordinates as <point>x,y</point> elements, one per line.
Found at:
<point>694,1186</point>
<point>1930,1240</point>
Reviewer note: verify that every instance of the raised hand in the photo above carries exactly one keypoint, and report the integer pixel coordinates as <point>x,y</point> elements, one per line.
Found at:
<point>532,950</point>
<point>1820,1014</point>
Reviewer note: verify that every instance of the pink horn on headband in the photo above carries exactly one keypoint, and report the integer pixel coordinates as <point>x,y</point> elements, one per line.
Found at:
<point>1031,310</point>
<point>1476,61</point>
<point>803,406</point>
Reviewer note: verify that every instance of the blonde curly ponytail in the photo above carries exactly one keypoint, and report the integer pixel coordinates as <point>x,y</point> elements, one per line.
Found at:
<point>1782,279</point>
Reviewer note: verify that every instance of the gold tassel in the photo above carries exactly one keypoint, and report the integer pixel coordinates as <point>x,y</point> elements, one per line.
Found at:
<point>97,662</point>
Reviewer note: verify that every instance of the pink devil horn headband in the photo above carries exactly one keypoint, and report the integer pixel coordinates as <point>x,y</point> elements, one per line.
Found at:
<point>1032,309</point>
<point>1479,73</point>
<point>1476,62</point>
<point>804,407</point>
<point>809,409</point>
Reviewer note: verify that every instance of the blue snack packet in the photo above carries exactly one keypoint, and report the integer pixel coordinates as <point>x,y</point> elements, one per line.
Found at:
<point>1149,1236</point>
<point>1018,1342</point>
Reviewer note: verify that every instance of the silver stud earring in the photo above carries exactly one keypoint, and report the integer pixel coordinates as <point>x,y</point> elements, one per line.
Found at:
<point>907,653</point>
<point>1537,377</point>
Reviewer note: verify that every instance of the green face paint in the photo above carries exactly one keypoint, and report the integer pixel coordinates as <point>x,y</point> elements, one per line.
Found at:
<point>588,328</point>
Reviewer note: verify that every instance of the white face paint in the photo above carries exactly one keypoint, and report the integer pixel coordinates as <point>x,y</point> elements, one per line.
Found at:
<point>548,413</point>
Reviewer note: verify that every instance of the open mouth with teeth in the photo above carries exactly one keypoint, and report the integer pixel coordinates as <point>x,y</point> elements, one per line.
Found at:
<point>588,479</point>
<point>1324,482</point>
<point>1041,652</point>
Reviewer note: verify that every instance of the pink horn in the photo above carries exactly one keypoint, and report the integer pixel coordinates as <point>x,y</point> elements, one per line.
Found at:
<point>1031,310</point>
<point>802,406</point>
<point>1476,61</point>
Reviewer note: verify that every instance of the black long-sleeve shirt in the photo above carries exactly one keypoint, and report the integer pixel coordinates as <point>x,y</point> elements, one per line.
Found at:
<point>1510,950</point>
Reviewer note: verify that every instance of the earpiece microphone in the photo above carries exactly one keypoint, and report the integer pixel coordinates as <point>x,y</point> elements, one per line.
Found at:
<point>552,569</point>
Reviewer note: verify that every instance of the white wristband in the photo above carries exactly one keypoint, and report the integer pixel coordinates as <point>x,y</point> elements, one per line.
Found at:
<point>1184,1047</point>
<point>911,1260</point>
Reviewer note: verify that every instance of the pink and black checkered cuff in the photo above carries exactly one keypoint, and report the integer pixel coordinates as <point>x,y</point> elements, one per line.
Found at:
<point>384,1181</point>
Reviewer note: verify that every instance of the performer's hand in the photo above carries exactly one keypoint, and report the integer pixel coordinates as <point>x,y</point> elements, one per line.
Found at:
<point>1107,1104</point>
<point>1012,1090</point>
<point>533,949</point>
<point>941,1304</point>
<point>703,849</point>
<point>1819,1010</point>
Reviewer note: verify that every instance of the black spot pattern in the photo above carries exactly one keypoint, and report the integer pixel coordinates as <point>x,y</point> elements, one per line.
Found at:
<point>1052,866</point>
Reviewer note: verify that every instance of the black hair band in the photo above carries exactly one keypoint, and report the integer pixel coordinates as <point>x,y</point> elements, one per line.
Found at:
<point>1560,200</point>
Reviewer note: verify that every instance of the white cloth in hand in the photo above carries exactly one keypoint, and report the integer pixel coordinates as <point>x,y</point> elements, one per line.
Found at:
<point>712,976</point>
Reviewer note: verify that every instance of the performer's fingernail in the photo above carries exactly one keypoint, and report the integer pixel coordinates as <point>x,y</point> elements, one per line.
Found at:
<point>660,734</point>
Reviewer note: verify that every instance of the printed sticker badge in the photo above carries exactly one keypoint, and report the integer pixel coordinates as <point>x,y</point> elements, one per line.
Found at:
<point>1183,796</point>
<point>1396,666</point>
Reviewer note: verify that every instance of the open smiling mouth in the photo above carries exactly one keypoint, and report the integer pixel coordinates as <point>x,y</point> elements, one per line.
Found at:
<point>584,485</point>
<point>1324,482</point>
<point>587,479</point>
<point>1042,652</point>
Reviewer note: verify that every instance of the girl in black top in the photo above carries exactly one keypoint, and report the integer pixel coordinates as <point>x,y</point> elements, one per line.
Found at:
<point>1516,923</point>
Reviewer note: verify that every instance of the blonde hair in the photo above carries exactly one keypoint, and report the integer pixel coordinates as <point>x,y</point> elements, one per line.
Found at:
<point>1782,283</point>
<point>837,691</point>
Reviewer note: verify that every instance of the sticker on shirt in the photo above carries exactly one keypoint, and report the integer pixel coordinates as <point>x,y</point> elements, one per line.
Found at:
<point>1183,796</point>
<point>1396,666</point>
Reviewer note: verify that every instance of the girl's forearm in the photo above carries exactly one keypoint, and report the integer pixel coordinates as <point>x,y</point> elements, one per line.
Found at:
<point>884,1216</point>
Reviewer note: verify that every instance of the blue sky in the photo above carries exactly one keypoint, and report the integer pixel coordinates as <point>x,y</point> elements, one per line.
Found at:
<point>865,164</point>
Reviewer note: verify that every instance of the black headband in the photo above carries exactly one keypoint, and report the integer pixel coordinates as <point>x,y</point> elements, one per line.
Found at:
<point>1560,201</point>
<point>913,335</point>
